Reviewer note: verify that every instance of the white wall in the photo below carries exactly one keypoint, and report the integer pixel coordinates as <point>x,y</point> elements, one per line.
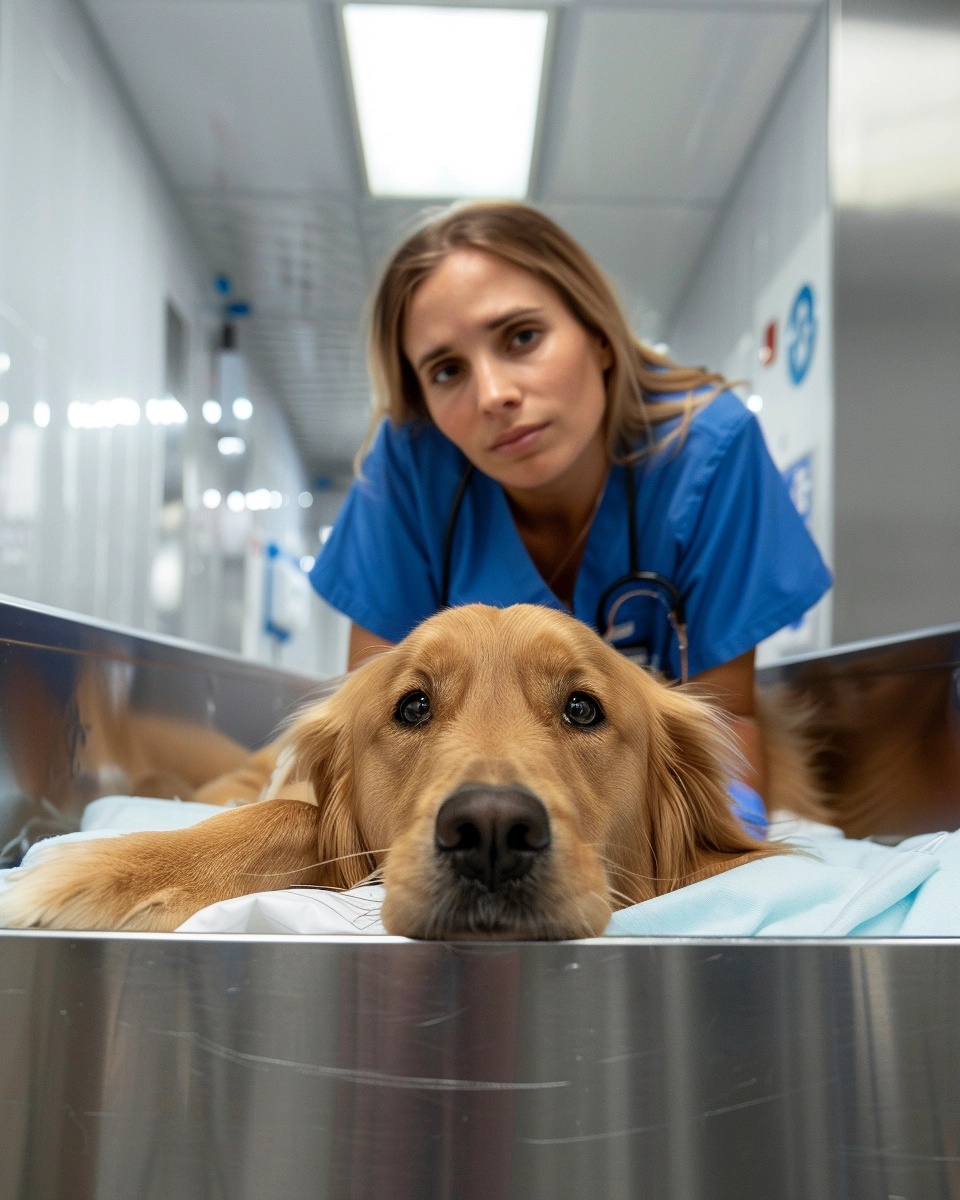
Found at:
<point>89,251</point>
<point>773,237</point>
<point>93,245</point>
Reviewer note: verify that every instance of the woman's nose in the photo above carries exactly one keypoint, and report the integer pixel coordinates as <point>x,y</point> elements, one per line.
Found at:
<point>495,386</point>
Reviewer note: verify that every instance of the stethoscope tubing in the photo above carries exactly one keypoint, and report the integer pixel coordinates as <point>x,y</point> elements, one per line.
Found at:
<point>604,621</point>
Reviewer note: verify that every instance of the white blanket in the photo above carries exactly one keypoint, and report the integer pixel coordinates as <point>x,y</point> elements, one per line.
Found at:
<point>836,887</point>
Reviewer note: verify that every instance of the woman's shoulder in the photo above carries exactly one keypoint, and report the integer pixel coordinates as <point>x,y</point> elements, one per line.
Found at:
<point>713,427</point>
<point>418,445</point>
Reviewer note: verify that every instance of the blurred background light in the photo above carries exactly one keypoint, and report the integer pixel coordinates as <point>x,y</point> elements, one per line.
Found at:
<point>103,414</point>
<point>259,500</point>
<point>166,410</point>
<point>897,127</point>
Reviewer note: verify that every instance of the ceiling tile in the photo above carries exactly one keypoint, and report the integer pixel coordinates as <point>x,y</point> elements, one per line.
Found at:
<point>233,91</point>
<point>664,104</point>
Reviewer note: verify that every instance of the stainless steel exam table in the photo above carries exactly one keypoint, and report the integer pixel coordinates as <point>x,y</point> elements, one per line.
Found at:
<point>149,1066</point>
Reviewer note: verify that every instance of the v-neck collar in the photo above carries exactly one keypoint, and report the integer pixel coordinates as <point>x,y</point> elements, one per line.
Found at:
<point>518,565</point>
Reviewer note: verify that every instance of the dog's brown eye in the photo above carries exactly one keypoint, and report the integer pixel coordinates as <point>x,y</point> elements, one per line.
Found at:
<point>413,709</point>
<point>582,710</point>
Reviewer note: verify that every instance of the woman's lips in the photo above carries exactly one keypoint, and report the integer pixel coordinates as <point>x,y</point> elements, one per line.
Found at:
<point>518,440</point>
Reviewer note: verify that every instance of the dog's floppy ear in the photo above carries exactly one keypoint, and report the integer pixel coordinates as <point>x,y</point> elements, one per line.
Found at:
<point>690,760</point>
<point>318,748</point>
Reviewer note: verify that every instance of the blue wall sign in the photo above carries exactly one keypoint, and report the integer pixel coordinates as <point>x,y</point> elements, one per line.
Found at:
<point>801,334</point>
<point>799,480</point>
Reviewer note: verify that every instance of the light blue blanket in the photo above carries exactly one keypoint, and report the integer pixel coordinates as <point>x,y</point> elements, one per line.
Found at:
<point>839,887</point>
<point>833,887</point>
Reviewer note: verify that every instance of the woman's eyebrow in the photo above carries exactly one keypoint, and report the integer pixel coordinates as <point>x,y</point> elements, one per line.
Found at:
<point>514,314</point>
<point>497,322</point>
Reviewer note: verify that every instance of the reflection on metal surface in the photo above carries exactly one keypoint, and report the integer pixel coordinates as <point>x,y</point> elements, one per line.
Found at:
<point>885,719</point>
<point>87,711</point>
<point>166,1067</point>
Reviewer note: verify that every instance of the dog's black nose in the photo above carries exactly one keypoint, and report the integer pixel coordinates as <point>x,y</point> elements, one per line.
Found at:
<point>492,834</point>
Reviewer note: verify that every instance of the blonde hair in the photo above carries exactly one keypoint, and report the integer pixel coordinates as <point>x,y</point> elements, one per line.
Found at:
<point>526,238</point>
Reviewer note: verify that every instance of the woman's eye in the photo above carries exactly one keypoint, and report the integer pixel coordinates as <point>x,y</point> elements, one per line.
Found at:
<point>446,373</point>
<point>583,711</point>
<point>413,709</point>
<point>525,337</point>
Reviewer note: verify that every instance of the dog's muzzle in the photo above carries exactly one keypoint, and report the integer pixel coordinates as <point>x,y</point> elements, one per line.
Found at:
<point>492,834</point>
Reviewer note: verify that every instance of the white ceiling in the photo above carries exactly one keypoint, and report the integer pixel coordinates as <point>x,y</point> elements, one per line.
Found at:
<point>651,110</point>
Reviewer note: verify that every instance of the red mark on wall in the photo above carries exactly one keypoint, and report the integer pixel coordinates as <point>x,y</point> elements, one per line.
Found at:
<point>768,349</point>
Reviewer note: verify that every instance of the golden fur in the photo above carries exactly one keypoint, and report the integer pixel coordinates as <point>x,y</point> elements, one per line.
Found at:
<point>636,804</point>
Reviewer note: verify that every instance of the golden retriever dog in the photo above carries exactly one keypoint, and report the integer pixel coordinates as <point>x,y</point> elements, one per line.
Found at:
<point>502,771</point>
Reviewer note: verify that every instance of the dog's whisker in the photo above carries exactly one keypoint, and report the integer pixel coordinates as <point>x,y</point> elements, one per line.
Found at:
<point>617,895</point>
<point>678,879</point>
<point>313,866</point>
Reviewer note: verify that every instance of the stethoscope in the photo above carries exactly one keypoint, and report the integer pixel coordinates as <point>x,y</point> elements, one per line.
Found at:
<point>636,584</point>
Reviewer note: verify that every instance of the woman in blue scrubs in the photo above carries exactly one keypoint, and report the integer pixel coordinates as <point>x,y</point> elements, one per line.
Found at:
<point>527,448</point>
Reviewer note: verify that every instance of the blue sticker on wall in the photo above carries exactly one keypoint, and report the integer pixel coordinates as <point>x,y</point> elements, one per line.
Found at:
<point>801,334</point>
<point>799,481</point>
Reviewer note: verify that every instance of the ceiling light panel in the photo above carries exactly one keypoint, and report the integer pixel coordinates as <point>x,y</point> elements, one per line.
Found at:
<point>446,98</point>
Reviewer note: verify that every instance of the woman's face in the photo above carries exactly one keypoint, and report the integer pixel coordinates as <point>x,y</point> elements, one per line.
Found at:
<point>508,374</point>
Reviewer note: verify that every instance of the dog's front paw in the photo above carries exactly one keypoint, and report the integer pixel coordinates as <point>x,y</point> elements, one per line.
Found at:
<point>88,884</point>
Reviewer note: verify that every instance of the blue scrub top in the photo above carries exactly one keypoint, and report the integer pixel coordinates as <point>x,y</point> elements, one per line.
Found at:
<point>713,516</point>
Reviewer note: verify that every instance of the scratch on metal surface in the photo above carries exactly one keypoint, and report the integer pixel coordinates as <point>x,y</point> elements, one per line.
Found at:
<point>80,1125</point>
<point>728,1108</point>
<point>441,1019</point>
<point>655,1128</point>
<point>880,1152</point>
<point>352,1075</point>
<point>631,1054</point>
<point>594,1137</point>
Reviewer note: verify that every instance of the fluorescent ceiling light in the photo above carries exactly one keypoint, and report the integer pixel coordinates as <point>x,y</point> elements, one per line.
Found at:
<point>446,97</point>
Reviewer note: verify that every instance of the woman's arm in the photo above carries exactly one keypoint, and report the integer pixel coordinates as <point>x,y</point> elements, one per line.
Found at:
<point>363,644</point>
<point>731,686</point>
